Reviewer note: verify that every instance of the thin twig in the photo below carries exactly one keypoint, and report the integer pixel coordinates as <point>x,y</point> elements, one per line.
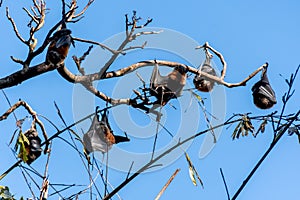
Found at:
<point>157,126</point>
<point>96,43</point>
<point>45,184</point>
<point>33,18</point>
<point>225,184</point>
<point>72,139</point>
<point>287,95</point>
<point>78,61</point>
<point>7,99</point>
<point>25,178</point>
<point>130,168</point>
<point>129,37</point>
<point>167,184</point>
<point>15,27</point>
<point>84,9</point>
<point>106,171</point>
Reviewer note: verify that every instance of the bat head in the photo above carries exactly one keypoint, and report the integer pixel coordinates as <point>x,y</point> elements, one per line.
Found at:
<point>181,69</point>
<point>62,32</point>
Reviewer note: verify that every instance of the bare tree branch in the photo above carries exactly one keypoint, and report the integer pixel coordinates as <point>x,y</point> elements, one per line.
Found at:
<point>33,18</point>
<point>20,76</point>
<point>84,9</point>
<point>82,58</point>
<point>16,60</point>
<point>15,27</point>
<point>96,43</point>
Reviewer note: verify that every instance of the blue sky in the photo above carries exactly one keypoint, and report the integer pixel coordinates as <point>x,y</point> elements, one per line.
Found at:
<point>247,33</point>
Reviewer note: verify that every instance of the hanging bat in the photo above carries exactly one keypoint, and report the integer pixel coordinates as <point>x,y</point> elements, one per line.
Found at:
<point>59,47</point>
<point>165,88</point>
<point>100,136</point>
<point>263,94</point>
<point>202,83</point>
<point>33,149</point>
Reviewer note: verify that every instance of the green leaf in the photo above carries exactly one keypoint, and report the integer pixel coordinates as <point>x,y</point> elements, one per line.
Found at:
<point>246,132</point>
<point>23,142</point>
<point>2,187</point>
<point>198,97</point>
<point>193,171</point>
<point>5,194</point>
<point>241,130</point>
<point>234,134</point>
<point>262,127</point>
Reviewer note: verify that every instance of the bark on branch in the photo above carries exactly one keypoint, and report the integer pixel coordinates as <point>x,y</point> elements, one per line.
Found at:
<point>23,75</point>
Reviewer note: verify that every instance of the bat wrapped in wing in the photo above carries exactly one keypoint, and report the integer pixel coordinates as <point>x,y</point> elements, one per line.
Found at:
<point>263,94</point>
<point>100,136</point>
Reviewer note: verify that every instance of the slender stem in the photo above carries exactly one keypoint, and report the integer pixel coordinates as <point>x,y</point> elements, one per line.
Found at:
<point>167,184</point>
<point>106,171</point>
<point>226,188</point>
